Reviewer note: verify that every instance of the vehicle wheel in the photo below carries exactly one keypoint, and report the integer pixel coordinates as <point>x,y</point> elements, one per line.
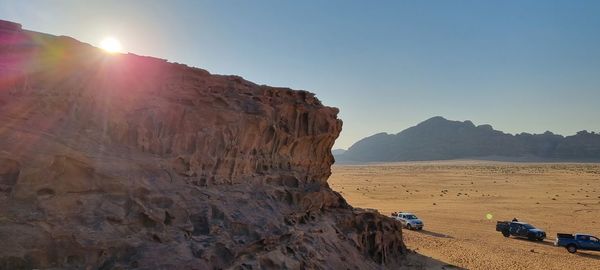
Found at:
<point>505,233</point>
<point>420,228</point>
<point>408,226</point>
<point>571,248</point>
<point>531,238</point>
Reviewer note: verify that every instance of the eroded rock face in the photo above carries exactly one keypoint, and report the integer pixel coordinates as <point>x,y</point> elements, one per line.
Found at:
<point>122,161</point>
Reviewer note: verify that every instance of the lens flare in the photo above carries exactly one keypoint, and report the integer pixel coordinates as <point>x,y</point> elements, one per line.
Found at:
<point>111,45</point>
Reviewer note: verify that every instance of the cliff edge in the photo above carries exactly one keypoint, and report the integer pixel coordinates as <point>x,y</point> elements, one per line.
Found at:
<point>118,161</point>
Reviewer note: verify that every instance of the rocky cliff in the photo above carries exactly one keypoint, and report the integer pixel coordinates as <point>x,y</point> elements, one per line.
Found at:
<point>122,161</point>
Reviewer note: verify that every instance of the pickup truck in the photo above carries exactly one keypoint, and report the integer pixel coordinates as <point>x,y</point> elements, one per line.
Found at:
<point>578,241</point>
<point>408,220</point>
<point>520,229</point>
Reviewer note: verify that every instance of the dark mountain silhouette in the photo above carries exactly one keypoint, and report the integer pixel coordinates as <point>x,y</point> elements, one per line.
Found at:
<point>440,139</point>
<point>338,151</point>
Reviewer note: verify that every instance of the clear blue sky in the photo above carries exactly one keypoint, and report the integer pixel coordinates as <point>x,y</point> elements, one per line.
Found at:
<point>519,65</point>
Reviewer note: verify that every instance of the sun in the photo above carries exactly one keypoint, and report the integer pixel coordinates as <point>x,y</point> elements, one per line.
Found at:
<point>111,45</point>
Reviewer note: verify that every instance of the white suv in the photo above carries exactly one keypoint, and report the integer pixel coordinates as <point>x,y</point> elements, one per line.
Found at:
<point>409,220</point>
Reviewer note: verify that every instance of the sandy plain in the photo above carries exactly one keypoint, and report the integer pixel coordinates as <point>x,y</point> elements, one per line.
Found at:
<point>453,198</point>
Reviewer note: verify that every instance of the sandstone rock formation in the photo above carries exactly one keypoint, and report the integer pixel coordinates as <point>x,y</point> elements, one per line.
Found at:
<point>122,161</point>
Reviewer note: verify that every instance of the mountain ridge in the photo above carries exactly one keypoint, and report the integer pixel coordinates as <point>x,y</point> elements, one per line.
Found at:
<point>438,138</point>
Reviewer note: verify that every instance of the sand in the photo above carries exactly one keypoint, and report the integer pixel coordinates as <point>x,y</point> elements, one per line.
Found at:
<point>454,197</point>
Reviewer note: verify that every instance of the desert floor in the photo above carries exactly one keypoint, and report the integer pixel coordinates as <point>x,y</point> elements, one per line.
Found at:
<point>454,197</point>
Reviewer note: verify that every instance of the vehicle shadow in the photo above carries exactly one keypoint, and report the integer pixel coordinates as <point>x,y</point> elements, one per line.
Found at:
<point>588,255</point>
<point>434,234</point>
<point>546,242</point>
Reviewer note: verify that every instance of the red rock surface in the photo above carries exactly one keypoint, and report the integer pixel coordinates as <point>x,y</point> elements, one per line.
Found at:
<point>122,161</point>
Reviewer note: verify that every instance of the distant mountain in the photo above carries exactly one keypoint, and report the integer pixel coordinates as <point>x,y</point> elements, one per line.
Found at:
<point>440,139</point>
<point>338,151</point>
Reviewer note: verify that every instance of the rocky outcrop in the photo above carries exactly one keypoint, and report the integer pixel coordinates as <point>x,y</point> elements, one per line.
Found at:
<point>7,26</point>
<point>122,161</point>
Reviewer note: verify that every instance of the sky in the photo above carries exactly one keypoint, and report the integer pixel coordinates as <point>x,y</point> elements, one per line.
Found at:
<point>521,66</point>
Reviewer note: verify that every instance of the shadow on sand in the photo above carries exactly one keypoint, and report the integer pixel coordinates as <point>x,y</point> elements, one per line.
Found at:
<point>434,234</point>
<point>588,255</point>
<point>416,261</point>
<point>549,242</point>
<point>546,242</point>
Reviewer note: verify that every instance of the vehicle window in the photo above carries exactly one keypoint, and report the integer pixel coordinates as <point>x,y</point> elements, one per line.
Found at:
<point>527,226</point>
<point>411,217</point>
<point>594,239</point>
<point>583,237</point>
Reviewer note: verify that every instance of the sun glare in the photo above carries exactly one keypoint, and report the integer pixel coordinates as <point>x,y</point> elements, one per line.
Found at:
<point>111,45</point>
